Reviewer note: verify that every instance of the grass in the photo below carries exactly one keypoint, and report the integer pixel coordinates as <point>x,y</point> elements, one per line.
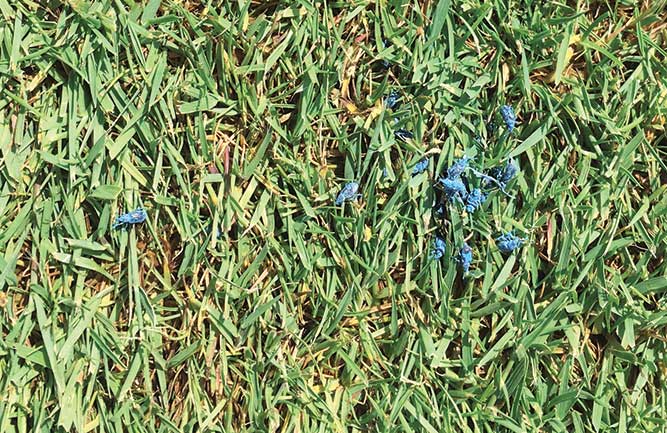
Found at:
<point>247,301</point>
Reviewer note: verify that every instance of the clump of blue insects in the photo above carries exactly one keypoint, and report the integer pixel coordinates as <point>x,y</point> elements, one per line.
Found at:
<point>455,189</point>
<point>126,220</point>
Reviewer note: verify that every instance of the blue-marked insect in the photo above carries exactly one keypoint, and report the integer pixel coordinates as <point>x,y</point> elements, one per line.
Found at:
<point>125,220</point>
<point>508,242</point>
<point>403,134</point>
<point>465,257</point>
<point>392,100</point>
<point>454,188</point>
<point>217,232</point>
<point>503,175</point>
<point>507,113</point>
<point>458,168</point>
<point>508,172</point>
<point>385,62</point>
<point>475,200</point>
<point>491,128</point>
<point>420,167</point>
<point>439,248</point>
<point>500,176</point>
<point>439,210</point>
<point>349,192</point>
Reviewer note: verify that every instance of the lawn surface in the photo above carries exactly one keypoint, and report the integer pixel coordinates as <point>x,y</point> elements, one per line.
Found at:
<point>247,301</point>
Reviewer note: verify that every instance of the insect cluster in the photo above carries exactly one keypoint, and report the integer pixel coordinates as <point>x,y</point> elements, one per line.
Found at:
<point>454,189</point>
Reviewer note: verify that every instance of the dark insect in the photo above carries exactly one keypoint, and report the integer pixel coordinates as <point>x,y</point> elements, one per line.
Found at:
<point>385,62</point>
<point>403,134</point>
<point>502,175</point>
<point>392,100</point>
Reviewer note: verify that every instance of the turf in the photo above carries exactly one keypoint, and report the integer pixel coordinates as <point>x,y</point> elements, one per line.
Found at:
<point>247,301</point>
